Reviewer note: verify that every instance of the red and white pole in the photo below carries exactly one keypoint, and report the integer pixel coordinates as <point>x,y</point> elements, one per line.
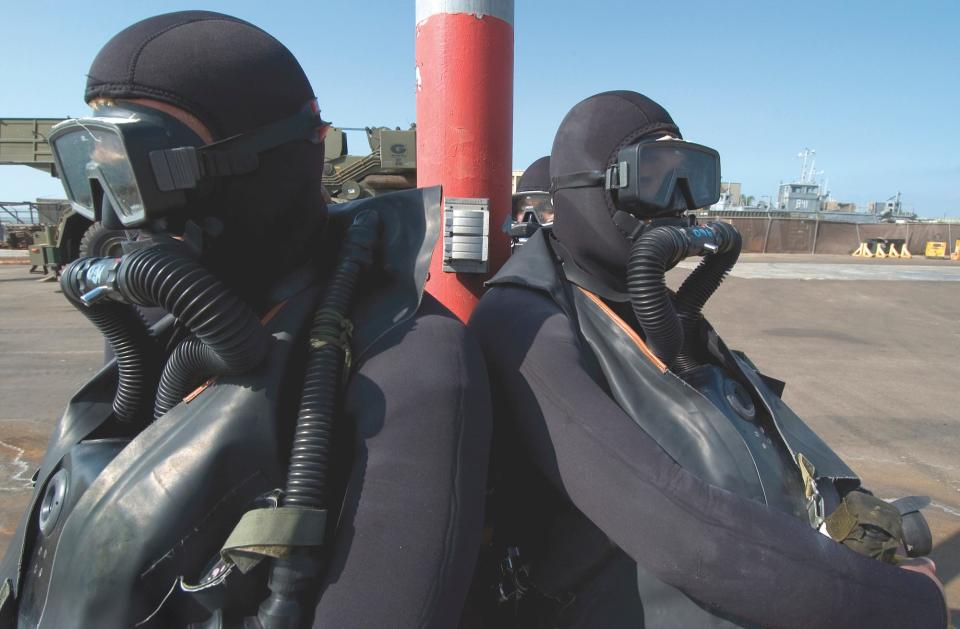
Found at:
<point>464,56</point>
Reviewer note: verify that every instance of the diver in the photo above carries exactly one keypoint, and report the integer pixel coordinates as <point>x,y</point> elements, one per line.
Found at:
<point>533,193</point>
<point>643,474</point>
<point>531,204</point>
<point>303,438</point>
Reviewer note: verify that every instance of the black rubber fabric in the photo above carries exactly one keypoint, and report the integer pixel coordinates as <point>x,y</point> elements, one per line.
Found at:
<point>235,78</point>
<point>735,555</point>
<point>229,337</point>
<point>696,290</point>
<point>536,178</point>
<point>589,138</point>
<point>410,528</point>
<point>228,73</point>
<point>651,256</point>
<point>127,339</point>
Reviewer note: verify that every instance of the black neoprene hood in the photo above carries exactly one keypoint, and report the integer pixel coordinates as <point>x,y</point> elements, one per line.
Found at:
<point>228,73</point>
<point>536,178</point>
<point>589,138</point>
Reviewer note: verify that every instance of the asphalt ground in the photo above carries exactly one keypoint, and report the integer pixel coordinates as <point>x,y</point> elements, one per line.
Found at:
<point>872,363</point>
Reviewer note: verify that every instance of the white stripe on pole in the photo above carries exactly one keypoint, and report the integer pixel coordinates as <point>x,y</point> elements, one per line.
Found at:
<point>502,9</point>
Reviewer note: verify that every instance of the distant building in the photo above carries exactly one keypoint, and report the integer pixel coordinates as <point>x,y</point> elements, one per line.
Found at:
<point>731,191</point>
<point>516,179</point>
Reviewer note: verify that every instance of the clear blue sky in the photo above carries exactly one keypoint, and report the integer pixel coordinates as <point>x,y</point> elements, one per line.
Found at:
<point>872,85</point>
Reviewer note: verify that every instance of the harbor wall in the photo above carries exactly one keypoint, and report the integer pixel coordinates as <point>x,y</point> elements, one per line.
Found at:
<point>793,235</point>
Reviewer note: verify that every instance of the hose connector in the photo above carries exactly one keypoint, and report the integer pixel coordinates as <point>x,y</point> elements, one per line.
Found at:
<point>709,239</point>
<point>93,280</point>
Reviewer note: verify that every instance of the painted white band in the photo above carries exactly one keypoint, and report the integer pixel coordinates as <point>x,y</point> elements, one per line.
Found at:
<point>502,9</point>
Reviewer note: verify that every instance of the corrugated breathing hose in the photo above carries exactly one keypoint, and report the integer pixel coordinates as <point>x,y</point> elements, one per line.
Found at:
<point>653,253</point>
<point>228,337</point>
<point>670,324</point>
<point>699,287</point>
<point>136,352</point>
<point>329,352</point>
<point>327,364</point>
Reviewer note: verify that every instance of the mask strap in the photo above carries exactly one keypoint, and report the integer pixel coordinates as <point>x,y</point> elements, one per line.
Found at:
<point>613,178</point>
<point>582,179</point>
<point>628,224</point>
<point>183,167</point>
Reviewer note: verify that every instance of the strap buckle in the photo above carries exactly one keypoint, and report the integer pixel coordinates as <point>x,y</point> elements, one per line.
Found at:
<point>617,176</point>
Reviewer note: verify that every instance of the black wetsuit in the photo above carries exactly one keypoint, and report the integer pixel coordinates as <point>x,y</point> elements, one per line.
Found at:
<point>412,514</point>
<point>572,469</point>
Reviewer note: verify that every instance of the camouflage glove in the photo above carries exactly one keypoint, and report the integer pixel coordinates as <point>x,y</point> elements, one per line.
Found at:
<point>867,525</point>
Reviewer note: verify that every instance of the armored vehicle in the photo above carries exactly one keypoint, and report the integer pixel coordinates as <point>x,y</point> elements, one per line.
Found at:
<point>391,164</point>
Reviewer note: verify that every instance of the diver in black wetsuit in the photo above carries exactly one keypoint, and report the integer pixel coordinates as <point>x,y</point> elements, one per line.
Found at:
<point>618,494</point>
<point>255,433</point>
<point>532,206</point>
<point>533,193</point>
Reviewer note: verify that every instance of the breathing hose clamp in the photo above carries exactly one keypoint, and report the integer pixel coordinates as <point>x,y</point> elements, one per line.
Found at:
<point>98,281</point>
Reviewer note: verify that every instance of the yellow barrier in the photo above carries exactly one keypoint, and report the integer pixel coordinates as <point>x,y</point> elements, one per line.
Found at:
<point>863,251</point>
<point>935,249</point>
<point>956,251</point>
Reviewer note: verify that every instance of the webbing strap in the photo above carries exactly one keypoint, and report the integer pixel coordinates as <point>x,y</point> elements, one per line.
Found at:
<point>814,499</point>
<point>332,328</point>
<point>273,532</point>
<point>6,600</point>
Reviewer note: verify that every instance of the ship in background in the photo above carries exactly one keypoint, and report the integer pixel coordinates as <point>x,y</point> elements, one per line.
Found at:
<point>805,198</point>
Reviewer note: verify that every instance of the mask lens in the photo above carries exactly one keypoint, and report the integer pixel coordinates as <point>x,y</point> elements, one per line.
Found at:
<point>73,150</point>
<point>539,203</point>
<point>88,152</point>
<point>703,178</point>
<point>662,166</point>
<point>647,175</point>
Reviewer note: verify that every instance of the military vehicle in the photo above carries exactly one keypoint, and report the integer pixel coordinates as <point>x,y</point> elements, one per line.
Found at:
<point>391,164</point>
<point>59,233</point>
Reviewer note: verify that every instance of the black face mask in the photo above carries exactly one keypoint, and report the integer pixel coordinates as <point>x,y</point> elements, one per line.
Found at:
<point>141,164</point>
<point>652,179</point>
<point>592,234</point>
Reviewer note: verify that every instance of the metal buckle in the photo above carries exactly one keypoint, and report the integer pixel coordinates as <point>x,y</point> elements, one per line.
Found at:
<point>512,584</point>
<point>815,509</point>
<point>617,176</point>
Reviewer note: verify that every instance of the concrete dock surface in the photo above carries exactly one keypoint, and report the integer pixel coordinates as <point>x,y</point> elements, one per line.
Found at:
<point>869,349</point>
